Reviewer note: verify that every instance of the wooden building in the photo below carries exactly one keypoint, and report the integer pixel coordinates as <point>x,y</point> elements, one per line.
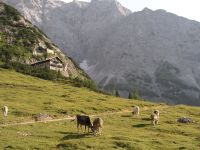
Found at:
<point>54,63</point>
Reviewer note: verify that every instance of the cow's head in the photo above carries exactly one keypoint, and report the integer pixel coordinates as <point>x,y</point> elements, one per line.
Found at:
<point>92,128</point>
<point>156,112</point>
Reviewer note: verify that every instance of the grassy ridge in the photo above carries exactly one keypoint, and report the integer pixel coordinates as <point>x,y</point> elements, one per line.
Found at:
<point>26,96</point>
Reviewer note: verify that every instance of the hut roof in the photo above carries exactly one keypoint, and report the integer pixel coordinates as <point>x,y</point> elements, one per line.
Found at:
<point>49,59</point>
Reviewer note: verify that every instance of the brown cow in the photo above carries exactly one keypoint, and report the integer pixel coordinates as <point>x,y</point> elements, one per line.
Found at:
<point>97,126</point>
<point>136,111</point>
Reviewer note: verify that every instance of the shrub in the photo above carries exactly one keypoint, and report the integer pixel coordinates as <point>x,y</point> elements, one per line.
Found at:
<point>134,95</point>
<point>12,52</point>
<point>49,75</point>
<point>29,70</point>
<point>26,37</point>
<point>84,83</point>
<point>11,13</point>
<point>130,96</point>
<point>117,93</point>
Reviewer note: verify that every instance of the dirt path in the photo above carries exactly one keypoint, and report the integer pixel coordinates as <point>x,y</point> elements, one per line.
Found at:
<point>73,117</point>
<point>61,119</point>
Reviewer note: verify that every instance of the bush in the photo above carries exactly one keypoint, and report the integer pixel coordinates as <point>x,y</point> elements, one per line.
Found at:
<point>117,93</point>
<point>11,13</point>
<point>26,37</point>
<point>135,95</point>
<point>29,70</point>
<point>12,52</point>
<point>84,83</point>
<point>49,75</point>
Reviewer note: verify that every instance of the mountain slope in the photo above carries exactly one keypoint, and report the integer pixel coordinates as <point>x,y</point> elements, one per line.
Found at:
<point>26,96</point>
<point>155,52</point>
<point>22,42</point>
<point>75,25</point>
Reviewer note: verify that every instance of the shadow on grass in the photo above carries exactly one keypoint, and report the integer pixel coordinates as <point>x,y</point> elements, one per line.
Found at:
<point>72,135</point>
<point>146,119</point>
<point>67,146</point>
<point>141,125</point>
<point>126,116</point>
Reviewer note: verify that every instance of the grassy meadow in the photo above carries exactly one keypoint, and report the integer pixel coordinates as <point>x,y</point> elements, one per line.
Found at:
<point>26,96</point>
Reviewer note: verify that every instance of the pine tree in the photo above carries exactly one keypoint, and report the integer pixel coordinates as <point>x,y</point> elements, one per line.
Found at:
<point>130,96</point>
<point>136,94</point>
<point>117,93</point>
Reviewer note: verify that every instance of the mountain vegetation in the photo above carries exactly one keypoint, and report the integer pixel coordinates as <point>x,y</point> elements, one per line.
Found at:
<point>19,40</point>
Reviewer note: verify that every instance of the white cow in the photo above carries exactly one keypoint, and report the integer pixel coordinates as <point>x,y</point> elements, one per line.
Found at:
<point>5,111</point>
<point>155,117</point>
<point>136,110</point>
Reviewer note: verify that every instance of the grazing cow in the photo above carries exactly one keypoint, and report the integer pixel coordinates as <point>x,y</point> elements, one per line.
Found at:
<point>83,120</point>
<point>5,111</point>
<point>155,117</point>
<point>136,110</point>
<point>97,126</point>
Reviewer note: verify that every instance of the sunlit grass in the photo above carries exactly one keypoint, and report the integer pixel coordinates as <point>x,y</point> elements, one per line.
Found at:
<point>26,96</point>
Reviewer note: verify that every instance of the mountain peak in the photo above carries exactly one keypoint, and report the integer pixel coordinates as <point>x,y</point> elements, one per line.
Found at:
<point>80,4</point>
<point>103,0</point>
<point>146,9</point>
<point>124,11</point>
<point>111,4</point>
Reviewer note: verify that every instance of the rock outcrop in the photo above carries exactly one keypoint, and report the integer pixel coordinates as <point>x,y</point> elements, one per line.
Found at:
<point>20,41</point>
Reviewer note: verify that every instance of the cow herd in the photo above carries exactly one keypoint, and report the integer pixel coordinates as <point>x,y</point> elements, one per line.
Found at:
<point>154,116</point>
<point>97,125</point>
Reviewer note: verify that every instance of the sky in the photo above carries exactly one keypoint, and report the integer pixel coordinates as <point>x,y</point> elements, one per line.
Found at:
<point>186,8</point>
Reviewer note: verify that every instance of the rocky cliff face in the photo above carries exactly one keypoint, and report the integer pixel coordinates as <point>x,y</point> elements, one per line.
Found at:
<point>20,41</point>
<point>155,52</point>
<point>73,25</point>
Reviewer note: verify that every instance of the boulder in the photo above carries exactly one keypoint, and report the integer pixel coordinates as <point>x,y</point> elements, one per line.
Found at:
<point>185,120</point>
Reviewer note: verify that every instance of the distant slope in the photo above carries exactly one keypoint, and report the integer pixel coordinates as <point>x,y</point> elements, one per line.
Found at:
<point>155,52</point>
<point>22,42</point>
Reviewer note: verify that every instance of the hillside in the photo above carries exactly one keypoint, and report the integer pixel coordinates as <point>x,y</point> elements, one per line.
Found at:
<point>24,43</point>
<point>155,52</point>
<point>26,96</point>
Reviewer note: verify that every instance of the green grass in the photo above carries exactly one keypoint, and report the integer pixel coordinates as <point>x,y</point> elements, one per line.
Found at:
<point>25,96</point>
<point>120,131</point>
